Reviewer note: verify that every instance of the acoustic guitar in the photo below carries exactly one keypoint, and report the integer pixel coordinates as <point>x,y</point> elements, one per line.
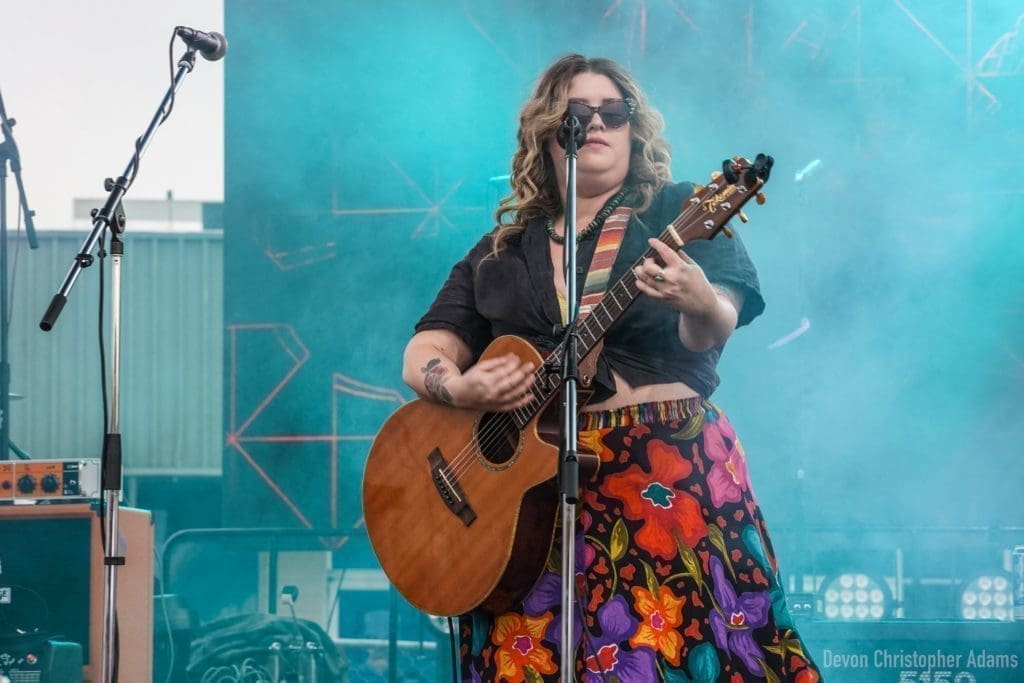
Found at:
<point>461,505</point>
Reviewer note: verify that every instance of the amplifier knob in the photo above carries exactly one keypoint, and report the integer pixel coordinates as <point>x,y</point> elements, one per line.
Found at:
<point>50,483</point>
<point>26,484</point>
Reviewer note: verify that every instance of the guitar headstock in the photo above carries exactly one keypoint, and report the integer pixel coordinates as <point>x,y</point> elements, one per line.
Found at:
<point>707,210</point>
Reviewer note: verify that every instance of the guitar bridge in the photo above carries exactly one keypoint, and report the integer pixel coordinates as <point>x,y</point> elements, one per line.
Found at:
<point>448,488</point>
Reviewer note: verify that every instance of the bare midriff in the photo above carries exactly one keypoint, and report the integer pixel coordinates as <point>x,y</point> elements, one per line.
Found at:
<point>626,395</point>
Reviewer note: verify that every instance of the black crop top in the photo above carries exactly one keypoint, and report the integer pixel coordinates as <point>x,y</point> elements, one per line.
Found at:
<point>485,298</point>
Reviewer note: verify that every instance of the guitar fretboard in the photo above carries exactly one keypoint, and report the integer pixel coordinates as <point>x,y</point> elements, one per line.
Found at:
<point>704,215</point>
<point>591,328</point>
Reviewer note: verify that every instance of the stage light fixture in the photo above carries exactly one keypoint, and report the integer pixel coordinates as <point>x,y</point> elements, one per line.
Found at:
<point>987,597</point>
<point>854,597</point>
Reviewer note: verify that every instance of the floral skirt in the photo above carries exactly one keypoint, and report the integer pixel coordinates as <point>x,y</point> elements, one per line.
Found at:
<point>676,577</point>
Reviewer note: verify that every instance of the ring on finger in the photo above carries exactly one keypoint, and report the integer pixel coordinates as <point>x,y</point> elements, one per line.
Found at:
<point>659,276</point>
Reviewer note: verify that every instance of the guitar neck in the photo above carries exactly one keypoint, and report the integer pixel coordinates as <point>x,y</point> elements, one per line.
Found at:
<point>614,303</point>
<point>704,214</point>
<point>593,326</point>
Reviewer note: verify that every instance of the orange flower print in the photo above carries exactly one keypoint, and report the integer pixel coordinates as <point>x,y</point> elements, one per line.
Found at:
<point>667,512</point>
<point>518,639</point>
<point>590,440</point>
<point>662,617</point>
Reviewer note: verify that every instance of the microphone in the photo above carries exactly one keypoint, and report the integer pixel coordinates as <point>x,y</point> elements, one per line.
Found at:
<point>212,46</point>
<point>571,126</point>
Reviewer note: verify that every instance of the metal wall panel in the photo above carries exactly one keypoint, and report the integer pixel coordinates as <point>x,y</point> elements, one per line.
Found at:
<point>171,352</point>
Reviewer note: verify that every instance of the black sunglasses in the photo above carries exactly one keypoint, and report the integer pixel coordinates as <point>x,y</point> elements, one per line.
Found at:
<point>614,113</point>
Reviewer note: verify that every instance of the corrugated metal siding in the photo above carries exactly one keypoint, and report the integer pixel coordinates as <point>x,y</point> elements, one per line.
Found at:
<point>171,352</point>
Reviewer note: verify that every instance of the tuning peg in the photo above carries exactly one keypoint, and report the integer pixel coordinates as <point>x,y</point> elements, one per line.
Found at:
<point>728,231</point>
<point>743,217</point>
<point>715,175</point>
<point>698,188</point>
<point>761,199</point>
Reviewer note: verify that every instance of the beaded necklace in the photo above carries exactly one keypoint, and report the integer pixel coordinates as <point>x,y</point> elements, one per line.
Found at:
<point>593,225</point>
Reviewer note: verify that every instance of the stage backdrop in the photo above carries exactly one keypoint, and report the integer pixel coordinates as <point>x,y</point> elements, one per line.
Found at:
<point>366,144</point>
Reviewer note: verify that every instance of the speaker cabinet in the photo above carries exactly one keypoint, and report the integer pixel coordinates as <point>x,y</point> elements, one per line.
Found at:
<point>51,578</point>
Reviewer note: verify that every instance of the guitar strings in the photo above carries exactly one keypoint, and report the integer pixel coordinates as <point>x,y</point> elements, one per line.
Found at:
<point>490,436</point>
<point>500,426</point>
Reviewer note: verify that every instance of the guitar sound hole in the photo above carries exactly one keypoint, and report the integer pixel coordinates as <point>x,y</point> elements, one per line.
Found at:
<point>497,437</point>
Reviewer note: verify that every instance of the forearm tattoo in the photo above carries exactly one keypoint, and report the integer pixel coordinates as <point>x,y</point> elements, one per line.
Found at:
<point>435,375</point>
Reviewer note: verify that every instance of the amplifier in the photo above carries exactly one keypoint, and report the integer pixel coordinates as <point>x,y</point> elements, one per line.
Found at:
<point>51,584</point>
<point>49,481</point>
<point>27,660</point>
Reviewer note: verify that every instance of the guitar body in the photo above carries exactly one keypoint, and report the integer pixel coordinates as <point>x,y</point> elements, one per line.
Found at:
<point>452,546</point>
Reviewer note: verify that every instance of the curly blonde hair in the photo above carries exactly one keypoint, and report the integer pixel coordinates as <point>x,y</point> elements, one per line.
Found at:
<point>535,190</point>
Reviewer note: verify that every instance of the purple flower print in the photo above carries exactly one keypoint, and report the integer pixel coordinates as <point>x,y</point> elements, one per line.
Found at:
<point>604,652</point>
<point>736,617</point>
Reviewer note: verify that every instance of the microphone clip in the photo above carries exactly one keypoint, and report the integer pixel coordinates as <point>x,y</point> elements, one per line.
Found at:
<point>571,129</point>
<point>212,46</point>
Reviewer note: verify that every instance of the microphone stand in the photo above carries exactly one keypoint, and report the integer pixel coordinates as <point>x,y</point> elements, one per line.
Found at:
<point>111,216</point>
<point>9,152</point>
<point>571,136</point>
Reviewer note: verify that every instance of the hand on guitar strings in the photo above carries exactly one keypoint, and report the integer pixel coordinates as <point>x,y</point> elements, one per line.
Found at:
<point>493,385</point>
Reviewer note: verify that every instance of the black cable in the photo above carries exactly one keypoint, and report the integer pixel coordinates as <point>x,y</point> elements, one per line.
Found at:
<point>136,157</point>
<point>14,271</point>
<point>115,665</point>
<point>100,255</point>
<point>170,70</point>
<point>456,669</point>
